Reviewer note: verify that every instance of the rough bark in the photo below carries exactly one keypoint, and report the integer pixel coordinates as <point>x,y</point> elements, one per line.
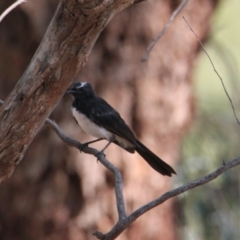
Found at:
<point>62,53</point>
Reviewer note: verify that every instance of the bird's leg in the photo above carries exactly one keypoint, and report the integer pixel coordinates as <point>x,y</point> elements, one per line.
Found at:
<point>87,143</point>
<point>102,151</point>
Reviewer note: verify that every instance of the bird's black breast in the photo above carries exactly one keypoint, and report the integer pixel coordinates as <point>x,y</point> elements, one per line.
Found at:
<point>102,114</point>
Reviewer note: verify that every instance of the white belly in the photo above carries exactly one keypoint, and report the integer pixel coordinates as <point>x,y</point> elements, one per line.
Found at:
<point>90,127</point>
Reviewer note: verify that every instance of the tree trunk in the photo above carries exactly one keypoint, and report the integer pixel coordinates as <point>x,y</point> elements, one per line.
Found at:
<point>58,193</point>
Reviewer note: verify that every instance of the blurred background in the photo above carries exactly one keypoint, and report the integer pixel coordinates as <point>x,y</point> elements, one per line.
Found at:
<point>175,104</point>
<point>213,137</point>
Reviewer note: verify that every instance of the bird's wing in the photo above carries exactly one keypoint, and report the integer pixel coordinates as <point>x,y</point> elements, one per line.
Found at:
<point>104,115</point>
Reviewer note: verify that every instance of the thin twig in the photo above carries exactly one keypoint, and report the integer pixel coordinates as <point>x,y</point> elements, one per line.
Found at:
<point>10,8</point>
<point>213,66</point>
<point>155,39</point>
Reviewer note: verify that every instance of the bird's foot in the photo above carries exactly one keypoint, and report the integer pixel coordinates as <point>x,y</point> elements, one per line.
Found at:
<point>99,155</point>
<point>83,145</point>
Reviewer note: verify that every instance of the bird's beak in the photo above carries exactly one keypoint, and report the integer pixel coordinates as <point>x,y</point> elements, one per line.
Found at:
<point>71,90</point>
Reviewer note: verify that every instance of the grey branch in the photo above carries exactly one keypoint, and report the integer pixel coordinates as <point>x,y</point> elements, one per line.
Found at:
<point>100,156</point>
<point>215,70</point>
<point>123,220</point>
<point>155,39</point>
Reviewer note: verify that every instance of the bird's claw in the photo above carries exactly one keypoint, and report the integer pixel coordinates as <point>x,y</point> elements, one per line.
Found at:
<point>84,145</point>
<point>99,155</point>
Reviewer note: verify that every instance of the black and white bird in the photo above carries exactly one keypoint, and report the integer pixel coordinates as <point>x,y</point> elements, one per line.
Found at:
<point>97,118</point>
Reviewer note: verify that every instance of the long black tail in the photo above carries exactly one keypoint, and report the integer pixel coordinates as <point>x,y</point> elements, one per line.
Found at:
<point>154,161</point>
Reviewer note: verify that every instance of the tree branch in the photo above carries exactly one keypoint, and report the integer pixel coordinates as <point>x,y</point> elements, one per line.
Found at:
<point>155,39</point>
<point>184,188</point>
<point>100,156</point>
<point>63,51</point>
<point>10,8</point>
<point>83,148</point>
<point>123,220</point>
<point>215,70</point>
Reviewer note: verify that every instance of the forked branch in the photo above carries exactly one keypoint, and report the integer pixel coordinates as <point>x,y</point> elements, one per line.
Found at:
<point>124,221</point>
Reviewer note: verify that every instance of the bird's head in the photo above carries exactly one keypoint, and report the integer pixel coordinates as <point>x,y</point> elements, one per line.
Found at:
<point>81,90</point>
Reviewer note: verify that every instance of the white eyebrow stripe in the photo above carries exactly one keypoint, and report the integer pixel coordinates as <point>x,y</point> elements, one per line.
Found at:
<point>82,85</point>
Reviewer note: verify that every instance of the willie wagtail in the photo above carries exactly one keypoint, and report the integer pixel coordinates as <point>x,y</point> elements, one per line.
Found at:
<point>97,118</point>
